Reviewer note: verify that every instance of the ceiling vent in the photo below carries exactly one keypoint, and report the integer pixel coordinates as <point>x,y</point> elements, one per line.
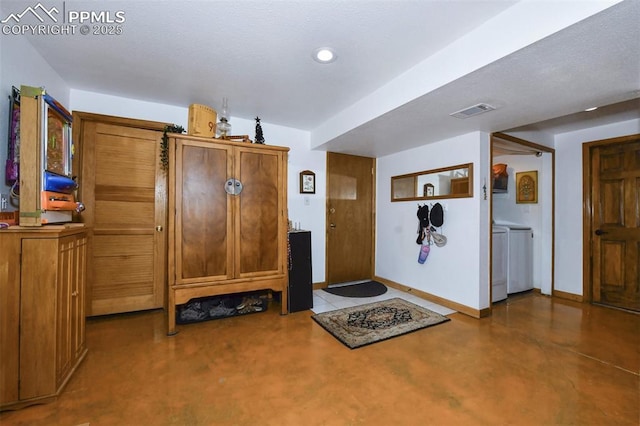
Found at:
<point>472,110</point>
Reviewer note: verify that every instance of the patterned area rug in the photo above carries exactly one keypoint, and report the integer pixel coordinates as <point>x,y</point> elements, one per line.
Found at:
<point>365,324</point>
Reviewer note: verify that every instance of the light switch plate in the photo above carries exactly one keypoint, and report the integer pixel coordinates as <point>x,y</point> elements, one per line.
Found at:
<point>4,202</point>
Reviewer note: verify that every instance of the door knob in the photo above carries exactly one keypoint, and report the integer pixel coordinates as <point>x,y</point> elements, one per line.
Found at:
<point>600,232</point>
<point>159,228</point>
<point>332,225</point>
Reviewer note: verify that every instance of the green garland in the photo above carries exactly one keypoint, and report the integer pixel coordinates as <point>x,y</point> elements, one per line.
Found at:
<point>164,145</point>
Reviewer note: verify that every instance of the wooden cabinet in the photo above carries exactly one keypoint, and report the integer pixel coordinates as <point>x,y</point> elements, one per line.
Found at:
<point>460,185</point>
<point>42,317</point>
<point>227,219</point>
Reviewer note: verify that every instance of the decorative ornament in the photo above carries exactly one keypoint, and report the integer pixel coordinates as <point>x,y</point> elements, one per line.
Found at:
<point>164,145</point>
<point>259,135</point>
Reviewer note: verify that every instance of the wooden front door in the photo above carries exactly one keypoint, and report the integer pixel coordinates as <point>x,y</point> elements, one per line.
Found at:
<point>123,188</point>
<point>350,217</point>
<point>615,222</point>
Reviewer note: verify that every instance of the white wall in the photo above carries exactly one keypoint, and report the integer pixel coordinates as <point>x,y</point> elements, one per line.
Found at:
<point>21,65</point>
<point>568,202</point>
<point>459,270</point>
<point>307,210</point>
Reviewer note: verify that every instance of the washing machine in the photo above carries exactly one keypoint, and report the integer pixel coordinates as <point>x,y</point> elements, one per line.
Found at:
<point>499,256</point>
<point>519,257</point>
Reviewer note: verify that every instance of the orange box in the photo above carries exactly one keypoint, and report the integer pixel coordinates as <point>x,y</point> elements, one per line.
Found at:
<point>57,202</point>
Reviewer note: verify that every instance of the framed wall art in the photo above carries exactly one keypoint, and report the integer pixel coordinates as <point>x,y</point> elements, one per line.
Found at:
<point>527,187</point>
<point>307,182</point>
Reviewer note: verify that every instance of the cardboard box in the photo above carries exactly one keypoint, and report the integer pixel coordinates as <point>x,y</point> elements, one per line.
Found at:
<point>202,121</point>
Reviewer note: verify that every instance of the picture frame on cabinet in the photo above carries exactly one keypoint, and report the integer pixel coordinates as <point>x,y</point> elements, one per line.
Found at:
<point>527,187</point>
<point>307,182</point>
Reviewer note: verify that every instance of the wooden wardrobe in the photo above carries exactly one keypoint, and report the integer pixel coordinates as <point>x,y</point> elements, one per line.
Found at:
<point>228,218</point>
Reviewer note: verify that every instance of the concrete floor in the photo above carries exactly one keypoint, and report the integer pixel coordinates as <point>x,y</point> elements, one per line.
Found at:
<point>535,361</point>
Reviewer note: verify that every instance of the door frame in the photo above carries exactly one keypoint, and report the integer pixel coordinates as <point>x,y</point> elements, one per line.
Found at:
<point>539,148</point>
<point>587,210</point>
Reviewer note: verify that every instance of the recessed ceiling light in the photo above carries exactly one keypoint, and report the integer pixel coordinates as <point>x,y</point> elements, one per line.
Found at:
<point>591,109</point>
<point>324,55</point>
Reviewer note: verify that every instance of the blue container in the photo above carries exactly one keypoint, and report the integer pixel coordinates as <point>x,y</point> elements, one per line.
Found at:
<point>58,183</point>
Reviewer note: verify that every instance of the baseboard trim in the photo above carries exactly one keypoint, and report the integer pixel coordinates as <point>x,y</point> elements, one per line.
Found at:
<point>568,296</point>
<point>320,285</point>
<point>475,313</point>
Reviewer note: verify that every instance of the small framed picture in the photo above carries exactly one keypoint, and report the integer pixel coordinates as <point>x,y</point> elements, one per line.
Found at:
<point>527,187</point>
<point>307,182</point>
<point>428,190</point>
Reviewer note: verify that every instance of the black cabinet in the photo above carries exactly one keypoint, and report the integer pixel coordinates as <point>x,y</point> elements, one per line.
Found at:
<point>300,281</point>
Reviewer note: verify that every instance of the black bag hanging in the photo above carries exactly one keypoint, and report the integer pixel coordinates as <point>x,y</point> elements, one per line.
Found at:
<point>423,222</point>
<point>437,215</point>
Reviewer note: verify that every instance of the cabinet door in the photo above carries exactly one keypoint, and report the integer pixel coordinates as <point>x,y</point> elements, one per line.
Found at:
<point>259,214</point>
<point>78,297</point>
<point>38,295</point>
<point>64,351</point>
<point>70,309</point>
<point>9,317</point>
<point>203,221</point>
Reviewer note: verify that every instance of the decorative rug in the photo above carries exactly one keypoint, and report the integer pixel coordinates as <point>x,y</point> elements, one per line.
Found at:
<point>365,324</point>
<point>366,289</point>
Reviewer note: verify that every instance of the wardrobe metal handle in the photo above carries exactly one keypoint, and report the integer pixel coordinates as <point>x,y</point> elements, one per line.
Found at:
<point>233,186</point>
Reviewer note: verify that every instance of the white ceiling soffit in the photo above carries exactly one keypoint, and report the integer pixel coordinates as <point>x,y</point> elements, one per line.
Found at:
<point>595,62</point>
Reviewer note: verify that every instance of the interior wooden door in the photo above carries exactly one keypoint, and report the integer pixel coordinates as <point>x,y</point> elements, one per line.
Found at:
<point>123,187</point>
<point>615,223</point>
<point>350,217</point>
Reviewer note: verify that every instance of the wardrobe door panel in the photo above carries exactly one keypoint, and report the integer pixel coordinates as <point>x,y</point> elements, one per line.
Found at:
<point>259,212</point>
<point>204,215</point>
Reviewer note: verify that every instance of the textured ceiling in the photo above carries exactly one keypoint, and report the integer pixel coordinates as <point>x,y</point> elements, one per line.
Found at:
<point>258,54</point>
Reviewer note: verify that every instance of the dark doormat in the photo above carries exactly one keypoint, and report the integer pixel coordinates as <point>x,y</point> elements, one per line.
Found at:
<point>366,289</point>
